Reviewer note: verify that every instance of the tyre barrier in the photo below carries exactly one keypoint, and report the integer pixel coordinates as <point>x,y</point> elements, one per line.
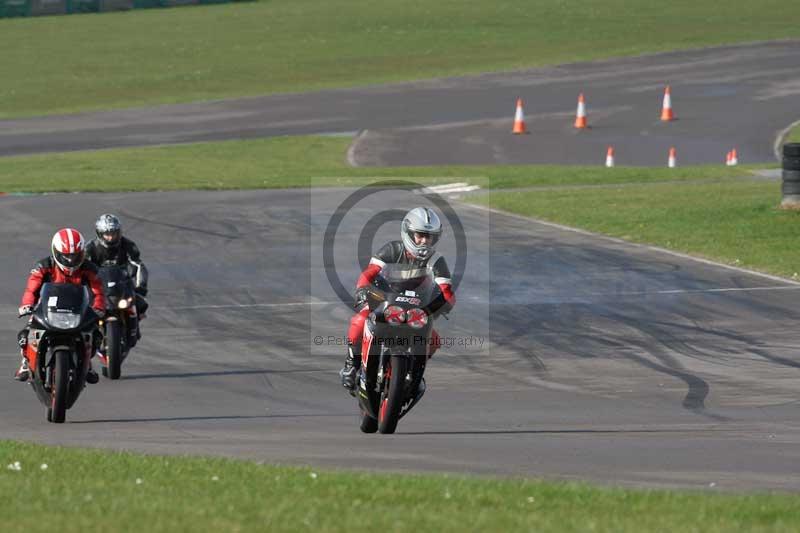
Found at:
<point>791,150</point>
<point>791,163</point>
<point>790,188</point>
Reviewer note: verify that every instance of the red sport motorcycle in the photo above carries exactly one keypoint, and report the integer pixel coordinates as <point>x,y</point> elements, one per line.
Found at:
<point>403,301</point>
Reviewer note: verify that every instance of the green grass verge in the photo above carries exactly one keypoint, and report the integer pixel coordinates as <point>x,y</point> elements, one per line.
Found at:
<point>286,162</point>
<point>794,135</point>
<point>733,221</point>
<point>74,63</point>
<point>82,490</point>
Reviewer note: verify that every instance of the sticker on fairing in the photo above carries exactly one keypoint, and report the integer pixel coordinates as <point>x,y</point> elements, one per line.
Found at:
<point>52,301</point>
<point>112,283</point>
<point>411,293</point>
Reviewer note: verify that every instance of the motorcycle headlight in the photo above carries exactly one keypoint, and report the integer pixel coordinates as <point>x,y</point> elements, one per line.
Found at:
<point>124,303</point>
<point>63,320</point>
<point>416,318</point>
<point>394,315</point>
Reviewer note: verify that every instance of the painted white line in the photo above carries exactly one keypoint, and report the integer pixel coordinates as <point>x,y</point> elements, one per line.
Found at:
<point>779,139</point>
<point>447,186</point>
<point>248,306</point>
<point>634,244</point>
<point>700,291</point>
<point>447,189</point>
<point>351,156</point>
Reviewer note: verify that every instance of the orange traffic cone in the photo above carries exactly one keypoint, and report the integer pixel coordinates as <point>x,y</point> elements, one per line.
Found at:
<point>734,158</point>
<point>580,115</point>
<point>671,161</point>
<point>519,119</point>
<point>666,107</point>
<point>610,157</point>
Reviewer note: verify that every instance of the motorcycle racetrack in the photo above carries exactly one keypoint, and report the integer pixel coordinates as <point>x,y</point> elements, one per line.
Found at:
<point>599,360</point>
<point>569,356</point>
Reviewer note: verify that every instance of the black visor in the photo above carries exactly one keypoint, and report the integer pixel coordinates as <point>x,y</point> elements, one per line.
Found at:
<point>73,260</point>
<point>432,237</point>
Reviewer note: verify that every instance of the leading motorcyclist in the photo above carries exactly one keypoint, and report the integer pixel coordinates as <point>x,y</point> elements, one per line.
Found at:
<point>66,264</point>
<point>420,231</point>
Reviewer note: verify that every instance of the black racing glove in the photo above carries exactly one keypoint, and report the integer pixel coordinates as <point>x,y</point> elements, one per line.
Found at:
<point>141,290</point>
<point>360,297</point>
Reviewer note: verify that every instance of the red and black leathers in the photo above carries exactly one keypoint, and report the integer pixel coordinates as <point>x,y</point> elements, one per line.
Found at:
<point>395,252</point>
<point>46,270</point>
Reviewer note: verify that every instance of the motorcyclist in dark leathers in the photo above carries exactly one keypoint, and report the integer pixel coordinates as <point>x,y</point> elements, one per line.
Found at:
<point>110,247</point>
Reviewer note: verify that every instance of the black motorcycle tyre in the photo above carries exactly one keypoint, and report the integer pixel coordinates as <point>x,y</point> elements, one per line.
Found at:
<point>389,414</point>
<point>114,349</point>
<point>57,413</point>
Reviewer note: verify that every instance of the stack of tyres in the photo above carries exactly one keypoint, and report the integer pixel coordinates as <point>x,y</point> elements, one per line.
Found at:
<point>791,176</point>
<point>15,8</point>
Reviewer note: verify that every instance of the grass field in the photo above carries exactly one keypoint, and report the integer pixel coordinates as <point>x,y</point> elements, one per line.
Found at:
<point>794,135</point>
<point>287,162</point>
<point>74,63</point>
<point>82,490</point>
<point>736,222</point>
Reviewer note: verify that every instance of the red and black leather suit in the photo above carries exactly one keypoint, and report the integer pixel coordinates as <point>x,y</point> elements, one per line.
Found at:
<point>47,271</point>
<point>395,252</point>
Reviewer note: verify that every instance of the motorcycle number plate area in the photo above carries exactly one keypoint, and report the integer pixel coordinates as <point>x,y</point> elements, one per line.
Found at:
<point>411,293</point>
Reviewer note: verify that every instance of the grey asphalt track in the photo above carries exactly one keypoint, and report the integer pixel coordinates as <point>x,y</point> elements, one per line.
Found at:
<point>728,97</point>
<point>599,360</point>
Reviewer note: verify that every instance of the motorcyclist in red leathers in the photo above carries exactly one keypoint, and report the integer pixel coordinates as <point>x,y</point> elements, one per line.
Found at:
<point>420,232</point>
<point>66,264</point>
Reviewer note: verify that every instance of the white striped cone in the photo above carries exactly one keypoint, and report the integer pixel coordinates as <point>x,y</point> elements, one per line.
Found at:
<point>610,157</point>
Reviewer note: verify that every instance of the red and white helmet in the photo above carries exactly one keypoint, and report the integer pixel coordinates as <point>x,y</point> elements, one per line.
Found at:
<point>68,250</point>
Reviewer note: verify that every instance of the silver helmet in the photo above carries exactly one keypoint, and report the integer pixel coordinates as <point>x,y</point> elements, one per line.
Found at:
<point>109,230</point>
<point>425,221</point>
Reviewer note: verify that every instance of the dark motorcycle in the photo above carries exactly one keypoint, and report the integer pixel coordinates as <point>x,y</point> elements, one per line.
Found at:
<point>403,300</point>
<point>60,346</point>
<point>121,323</point>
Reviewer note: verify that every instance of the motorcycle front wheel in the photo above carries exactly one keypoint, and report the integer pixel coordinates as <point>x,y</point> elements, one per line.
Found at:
<point>392,395</point>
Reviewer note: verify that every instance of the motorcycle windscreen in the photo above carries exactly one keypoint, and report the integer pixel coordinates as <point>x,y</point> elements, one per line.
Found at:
<point>116,281</point>
<point>401,278</point>
<point>64,304</point>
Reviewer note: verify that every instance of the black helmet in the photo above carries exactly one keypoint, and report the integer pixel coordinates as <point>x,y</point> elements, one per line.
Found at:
<point>109,230</point>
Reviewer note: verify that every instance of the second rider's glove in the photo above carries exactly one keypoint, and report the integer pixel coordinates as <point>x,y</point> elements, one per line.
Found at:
<point>25,310</point>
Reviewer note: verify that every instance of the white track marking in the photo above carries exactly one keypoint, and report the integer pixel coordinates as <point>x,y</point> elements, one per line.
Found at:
<point>448,188</point>
<point>351,156</point>
<point>776,147</point>
<point>636,245</point>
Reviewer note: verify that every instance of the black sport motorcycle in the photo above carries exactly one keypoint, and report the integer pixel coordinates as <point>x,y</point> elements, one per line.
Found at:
<point>60,346</point>
<point>403,301</point>
<point>121,323</point>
